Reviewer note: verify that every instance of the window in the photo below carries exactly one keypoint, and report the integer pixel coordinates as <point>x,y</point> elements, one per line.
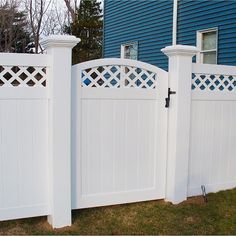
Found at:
<point>129,51</point>
<point>207,41</point>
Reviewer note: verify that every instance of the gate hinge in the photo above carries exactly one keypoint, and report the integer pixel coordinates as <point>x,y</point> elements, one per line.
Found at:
<point>168,98</point>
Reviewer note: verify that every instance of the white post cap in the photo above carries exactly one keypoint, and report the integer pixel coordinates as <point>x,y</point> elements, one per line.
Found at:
<point>68,41</point>
<point>180,50</point>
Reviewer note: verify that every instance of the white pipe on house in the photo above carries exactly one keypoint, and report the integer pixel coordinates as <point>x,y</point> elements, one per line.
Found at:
<point>175,16</point>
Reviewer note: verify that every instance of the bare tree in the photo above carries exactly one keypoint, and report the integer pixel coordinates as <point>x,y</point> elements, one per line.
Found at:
<point>71,7</point>
<point>55,20</point>
<point>37,10</point>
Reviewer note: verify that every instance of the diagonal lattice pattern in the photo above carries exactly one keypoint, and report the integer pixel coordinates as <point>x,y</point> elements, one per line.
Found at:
<point>206,82</point>
<point>136,77</point>
<point>22,76</point>
<point>117,76</point>
<point>102,76</point>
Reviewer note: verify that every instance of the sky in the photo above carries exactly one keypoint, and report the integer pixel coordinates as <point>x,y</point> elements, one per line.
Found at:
<point>62,3</point>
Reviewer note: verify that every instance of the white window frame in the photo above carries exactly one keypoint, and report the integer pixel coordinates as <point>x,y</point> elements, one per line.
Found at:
<point>199,44</point>
<point>122,50</point>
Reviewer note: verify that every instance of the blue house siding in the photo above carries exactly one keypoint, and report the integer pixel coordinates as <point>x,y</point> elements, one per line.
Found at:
<point>205,14</point>
<point>148,22</point>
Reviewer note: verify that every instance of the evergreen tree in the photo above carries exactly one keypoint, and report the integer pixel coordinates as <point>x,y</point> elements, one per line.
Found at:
<point>88,27</point>
<point>14,34</point>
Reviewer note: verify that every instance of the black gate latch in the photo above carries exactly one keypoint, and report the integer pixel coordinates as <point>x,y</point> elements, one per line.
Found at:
<point>168,98</point>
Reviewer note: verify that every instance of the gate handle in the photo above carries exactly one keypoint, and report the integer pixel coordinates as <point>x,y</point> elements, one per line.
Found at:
<point>168,98</point>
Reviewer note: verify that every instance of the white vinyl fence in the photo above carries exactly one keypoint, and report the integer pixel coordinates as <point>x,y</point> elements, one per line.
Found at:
<point>212,158</point>
<point>35,133</point>
<point>111,131</point>
<point>23,136</point>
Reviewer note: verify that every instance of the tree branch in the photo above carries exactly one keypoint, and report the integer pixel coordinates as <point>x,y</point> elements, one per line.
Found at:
<point>71,10</point>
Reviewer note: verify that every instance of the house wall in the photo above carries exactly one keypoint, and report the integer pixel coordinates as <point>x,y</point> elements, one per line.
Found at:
<point>205,14</point>
<point>148,22</point>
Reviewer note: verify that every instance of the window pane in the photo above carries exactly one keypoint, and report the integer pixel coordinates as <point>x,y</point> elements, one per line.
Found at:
<point>131,51</point>
<point>134,51</point>
<point>127,52</point>
<point>209,57</point>
<point>209,40</point>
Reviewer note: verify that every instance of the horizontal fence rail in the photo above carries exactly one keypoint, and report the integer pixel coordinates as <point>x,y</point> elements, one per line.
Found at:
<point>21,59</point>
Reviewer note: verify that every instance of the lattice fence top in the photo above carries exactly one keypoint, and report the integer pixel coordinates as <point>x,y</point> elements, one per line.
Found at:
<point>207,82</point>
<point>22,76</point>
<point>116,76</point>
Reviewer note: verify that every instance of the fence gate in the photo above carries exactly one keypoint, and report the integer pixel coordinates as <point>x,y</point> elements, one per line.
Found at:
<point>119,132</point>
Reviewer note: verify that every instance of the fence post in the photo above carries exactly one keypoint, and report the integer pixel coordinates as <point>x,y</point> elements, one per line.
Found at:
<point>59,49</point>
<point>180,74</point>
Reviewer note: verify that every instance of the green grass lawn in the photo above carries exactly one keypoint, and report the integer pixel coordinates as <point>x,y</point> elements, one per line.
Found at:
<point>218,216</point>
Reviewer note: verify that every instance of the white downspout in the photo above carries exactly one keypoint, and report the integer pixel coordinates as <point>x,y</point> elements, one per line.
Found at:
<point>175,16</point>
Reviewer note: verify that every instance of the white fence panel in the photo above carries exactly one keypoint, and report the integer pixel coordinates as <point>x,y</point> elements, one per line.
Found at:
<point>213,129</point>
<point>120,134</point>
<point>23,136</point>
